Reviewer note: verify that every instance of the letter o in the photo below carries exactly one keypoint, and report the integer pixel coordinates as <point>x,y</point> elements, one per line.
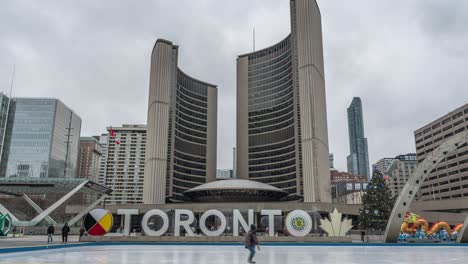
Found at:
<point>298,223</point>
<point>209,213</point>
<point>148,215</point>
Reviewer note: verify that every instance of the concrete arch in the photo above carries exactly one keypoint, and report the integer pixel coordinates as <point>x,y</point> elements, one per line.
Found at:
<point>414,183</point>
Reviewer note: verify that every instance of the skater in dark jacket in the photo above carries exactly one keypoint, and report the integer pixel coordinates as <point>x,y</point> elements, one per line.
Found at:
<point>50,233</point>
<point>65,231</point>
<point>251,242</point>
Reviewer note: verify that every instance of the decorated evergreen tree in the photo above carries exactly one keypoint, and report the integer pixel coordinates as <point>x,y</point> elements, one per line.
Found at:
<point>377,204</point>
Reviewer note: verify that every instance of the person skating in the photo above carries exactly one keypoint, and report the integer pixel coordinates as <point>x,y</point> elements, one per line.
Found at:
<point>65,231</point>
<point>50,233</point>
<point>251,242</point>
<point>82,230</point>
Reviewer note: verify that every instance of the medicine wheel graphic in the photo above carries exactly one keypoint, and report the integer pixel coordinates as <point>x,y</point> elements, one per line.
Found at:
<point>98,222</point>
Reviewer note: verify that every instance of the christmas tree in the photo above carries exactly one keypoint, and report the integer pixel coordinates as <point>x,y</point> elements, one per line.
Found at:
<point>377,204</point>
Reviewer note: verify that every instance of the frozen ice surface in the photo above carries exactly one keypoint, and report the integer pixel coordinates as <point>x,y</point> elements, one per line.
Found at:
<point>237,254</point>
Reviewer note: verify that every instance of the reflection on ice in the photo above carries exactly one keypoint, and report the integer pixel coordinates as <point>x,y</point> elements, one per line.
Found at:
<point>237,254</point>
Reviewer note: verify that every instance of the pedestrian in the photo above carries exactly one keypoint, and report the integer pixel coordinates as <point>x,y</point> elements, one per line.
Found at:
<point>65,231</point>
<point>50,233</point>
<point>251,242</point>
<point>81,233</point>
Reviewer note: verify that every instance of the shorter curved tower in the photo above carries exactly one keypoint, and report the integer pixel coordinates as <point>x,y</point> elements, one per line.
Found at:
<point>182,129</point>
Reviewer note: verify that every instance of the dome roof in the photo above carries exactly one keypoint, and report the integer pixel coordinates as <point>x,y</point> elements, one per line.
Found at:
<point>235,190</point>
<point>235,184</point>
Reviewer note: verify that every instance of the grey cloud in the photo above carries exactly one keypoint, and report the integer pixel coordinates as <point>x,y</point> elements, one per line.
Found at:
<point>405,59</point>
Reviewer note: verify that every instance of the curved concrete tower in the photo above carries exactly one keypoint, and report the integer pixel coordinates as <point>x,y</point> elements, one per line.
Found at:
<point>282,135</point>
<point>182,129</point>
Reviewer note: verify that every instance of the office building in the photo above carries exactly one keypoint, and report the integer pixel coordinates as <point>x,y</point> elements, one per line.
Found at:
<point>182,129</point>
<point>282,135</point>
<point>450,178</point>
<point>41,139</point>
<point>89,158</point>
<point>126,164</point>
<point>382,164</point>
<point>399,171</point>
<point>358,160</point>
<point>104,142</point>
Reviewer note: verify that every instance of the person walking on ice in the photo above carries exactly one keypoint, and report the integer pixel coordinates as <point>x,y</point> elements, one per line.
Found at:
<point>65,231</point>
<point>251,241</point>
<point>50,233</point>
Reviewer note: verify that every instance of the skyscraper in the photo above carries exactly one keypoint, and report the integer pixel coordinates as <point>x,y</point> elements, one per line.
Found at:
<point>282,135</point>
<point>182,129</point>
<point>358,160</point>
<point>126,164</point>
<point>42,139</point>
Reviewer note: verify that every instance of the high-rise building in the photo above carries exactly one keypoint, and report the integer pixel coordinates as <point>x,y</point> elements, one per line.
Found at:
<point>382,164</point>
<point>103,141</point>
<point>88,158</point>
<point>400,170</point>
<point>224,174</point>
<point>282,135</point>
<point>42,139</point>
<point>4,106</point>
<point>450,178</point>
<point>182,129</point>
<point>358,160</point>
<point>330,160</point>
<point>126,164</point>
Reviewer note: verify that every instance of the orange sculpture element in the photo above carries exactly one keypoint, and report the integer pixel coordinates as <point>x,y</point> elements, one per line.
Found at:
<point>457,228</point>
<point>439,226</point>
<point>412,227</point>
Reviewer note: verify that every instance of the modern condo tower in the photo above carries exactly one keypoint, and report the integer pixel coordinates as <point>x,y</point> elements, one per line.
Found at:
<point>358,160</point>
<point>181,133</point>
<point>282,136</point>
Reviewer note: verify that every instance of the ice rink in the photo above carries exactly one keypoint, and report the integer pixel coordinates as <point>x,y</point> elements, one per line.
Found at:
<point>237,254</point>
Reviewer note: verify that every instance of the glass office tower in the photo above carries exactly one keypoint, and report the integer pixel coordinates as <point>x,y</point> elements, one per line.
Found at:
<point>42,139</point>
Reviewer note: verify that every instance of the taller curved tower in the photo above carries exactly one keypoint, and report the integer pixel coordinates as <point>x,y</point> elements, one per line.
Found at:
<point>282,135</point>
<point>181,133</point>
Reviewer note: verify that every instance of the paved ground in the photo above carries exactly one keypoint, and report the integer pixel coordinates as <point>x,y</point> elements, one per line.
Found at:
<point>237,254</point>
<point>27,241</point>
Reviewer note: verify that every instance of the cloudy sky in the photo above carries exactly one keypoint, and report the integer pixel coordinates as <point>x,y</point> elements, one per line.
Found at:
<point>407,60</point>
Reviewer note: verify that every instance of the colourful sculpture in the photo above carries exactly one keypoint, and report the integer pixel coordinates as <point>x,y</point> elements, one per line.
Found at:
<point>415,226</point>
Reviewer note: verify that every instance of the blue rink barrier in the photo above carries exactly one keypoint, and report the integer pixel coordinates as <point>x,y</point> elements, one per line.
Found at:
<point>92,244</point>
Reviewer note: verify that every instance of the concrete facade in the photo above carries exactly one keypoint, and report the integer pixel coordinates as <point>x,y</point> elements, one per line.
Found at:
<point>182,129</point>
<point>450,179</point>
<point>282,135</point>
